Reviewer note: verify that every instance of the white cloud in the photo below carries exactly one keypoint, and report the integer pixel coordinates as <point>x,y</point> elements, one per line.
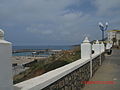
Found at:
<point>106,6</point>
<point>39,30</point>
<point>72,15</point>
<point>57,19</point>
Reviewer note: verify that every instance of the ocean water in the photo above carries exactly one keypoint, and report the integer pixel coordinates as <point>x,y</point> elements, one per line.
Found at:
<point>39,48</point>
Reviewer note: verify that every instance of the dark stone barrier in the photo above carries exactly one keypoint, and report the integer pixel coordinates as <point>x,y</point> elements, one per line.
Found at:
<point>75,79</point>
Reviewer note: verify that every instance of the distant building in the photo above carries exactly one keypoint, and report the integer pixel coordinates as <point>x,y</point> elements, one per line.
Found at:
<point>114,37</point>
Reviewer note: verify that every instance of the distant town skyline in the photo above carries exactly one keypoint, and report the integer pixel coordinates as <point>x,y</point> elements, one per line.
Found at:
<point>56,22</point>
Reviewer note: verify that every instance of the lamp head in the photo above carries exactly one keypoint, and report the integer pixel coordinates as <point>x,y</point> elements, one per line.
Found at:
<point>101,25</point>
<point>106,24</point>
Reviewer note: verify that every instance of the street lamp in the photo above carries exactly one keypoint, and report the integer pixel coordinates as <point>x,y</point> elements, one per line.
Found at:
<point>103,28</point>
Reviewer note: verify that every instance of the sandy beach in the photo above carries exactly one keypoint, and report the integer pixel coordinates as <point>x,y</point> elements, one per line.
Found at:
<point>24,59</point>
<point>20,61</point>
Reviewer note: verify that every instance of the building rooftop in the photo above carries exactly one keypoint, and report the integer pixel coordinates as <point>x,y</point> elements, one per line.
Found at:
<point>114,30</point>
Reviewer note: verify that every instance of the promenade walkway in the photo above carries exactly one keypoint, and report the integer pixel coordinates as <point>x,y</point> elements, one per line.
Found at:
<point>109,71</point>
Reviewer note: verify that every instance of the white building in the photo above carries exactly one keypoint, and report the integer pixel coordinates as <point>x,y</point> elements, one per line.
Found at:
<point>114,37</point>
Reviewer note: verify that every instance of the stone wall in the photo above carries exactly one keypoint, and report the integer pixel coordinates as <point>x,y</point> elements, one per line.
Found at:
<point>75,79</point>
<point>72,76</point>
<point>72,81</point>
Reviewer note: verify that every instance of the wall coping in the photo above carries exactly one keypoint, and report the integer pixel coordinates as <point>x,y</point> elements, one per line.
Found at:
<point>5,42</point>
<point>50,77</point>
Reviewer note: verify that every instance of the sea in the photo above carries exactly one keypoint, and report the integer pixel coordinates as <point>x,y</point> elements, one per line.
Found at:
<point>66,47</point>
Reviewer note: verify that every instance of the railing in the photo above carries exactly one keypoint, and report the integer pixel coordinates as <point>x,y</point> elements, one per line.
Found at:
<point>74,80</point>
<point>71,76</point>
<point>68,77</point>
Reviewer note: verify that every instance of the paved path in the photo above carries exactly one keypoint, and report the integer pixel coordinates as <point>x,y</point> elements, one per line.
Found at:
<point>109,71</point>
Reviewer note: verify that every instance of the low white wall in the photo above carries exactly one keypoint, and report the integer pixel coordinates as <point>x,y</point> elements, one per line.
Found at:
<point>48,78</point>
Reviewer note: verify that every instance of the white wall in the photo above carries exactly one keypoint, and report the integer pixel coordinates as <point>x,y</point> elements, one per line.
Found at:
<point>48,78</point>
<point>5,65</point>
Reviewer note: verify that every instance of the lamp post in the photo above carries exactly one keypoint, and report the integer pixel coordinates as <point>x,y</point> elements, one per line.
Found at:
<point>103,28</point>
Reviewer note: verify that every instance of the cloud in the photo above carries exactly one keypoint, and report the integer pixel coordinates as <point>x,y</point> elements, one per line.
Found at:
<point>56,21</point>
<point>38,31</point>
<point>72,15</point>
<point>107,6</point>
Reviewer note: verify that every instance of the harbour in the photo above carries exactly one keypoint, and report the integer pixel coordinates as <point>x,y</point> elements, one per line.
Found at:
<point>24,56</point>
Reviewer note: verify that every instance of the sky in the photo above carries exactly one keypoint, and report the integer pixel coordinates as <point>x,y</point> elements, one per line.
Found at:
<point>56,22</point>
